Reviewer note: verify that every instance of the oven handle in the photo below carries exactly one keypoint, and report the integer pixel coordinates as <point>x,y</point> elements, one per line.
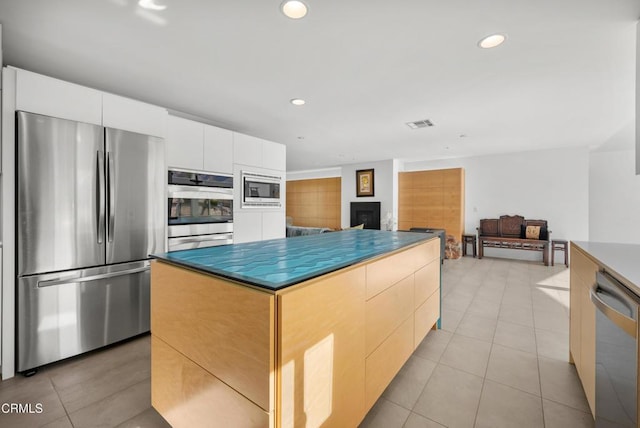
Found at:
<point>202,238</point>
<point>193,194</point>
<point>604,285</point>
<point>176,188</point>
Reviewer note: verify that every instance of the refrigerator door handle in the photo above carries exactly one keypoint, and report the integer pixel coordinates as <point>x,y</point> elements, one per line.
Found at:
<point>100,197</point>
<point>112,196</point>
<point>59,281</point>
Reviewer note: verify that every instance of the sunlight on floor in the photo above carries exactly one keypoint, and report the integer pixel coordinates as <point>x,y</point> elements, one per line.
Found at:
<point>556,287</point>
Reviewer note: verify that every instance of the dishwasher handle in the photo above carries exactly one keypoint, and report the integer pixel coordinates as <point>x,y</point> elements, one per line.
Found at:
<point>605,286</point>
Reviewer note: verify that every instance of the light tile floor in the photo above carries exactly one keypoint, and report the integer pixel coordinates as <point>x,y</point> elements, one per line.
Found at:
<point>500,360</point>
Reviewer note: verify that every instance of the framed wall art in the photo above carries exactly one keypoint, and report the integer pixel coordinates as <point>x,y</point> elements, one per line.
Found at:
<point>364,182</point>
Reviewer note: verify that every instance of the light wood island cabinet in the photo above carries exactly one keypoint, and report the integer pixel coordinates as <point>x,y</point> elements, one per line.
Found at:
<point>318,353</point>
<point>582,322</point>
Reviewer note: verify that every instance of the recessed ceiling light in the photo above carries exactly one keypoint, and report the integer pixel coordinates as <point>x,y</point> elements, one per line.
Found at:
<point>294,9</point>
<point>150,5</point>
<point>297,101</point>
<point>492,41</point>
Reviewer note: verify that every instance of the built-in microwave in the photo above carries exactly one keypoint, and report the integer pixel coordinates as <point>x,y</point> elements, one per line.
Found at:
<point>261,190</point>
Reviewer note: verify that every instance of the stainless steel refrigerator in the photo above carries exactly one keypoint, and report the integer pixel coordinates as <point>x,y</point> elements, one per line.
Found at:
<point>90,210</point>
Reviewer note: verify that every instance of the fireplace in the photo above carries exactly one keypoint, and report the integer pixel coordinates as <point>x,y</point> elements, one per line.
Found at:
<point>367,213</point>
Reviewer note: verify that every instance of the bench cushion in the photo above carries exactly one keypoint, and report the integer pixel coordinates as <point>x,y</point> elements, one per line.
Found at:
<point>544,233</point>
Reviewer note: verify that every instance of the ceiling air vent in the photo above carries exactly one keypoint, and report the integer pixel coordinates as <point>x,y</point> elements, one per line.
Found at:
<point>420,124</point>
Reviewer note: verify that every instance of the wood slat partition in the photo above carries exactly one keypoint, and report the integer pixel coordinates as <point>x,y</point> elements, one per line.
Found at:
<point>432,199</point>
<point>315,202</point>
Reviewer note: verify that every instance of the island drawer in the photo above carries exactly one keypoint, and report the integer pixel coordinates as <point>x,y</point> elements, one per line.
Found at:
<point>427,281</point>
<point>426,316</point>
<point>387,271</point>
<point>386,311</point>
<point>385,362</point>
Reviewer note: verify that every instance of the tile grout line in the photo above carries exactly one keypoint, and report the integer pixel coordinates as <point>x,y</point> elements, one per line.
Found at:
<point>535,338</point>
<point>484,379</point>
<point>66,412</point>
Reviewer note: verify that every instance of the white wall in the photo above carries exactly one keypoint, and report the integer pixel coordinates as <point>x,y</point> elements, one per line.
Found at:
<point>385,187</point>
<point>614,197</point>
<point>548,184</point>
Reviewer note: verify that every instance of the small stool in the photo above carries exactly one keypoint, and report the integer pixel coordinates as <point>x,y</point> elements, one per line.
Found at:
<point>560,245</point>
<point>468,239</point>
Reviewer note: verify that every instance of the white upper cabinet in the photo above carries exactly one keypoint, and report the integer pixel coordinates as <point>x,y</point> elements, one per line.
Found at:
<point>274,156</point>
<point>184,143</point>
<point>253,151</point>
<point>45,95</point>
<point>218,149</point>
<point>194,145</point>
<point>135,116</point>
<point>247,150</point>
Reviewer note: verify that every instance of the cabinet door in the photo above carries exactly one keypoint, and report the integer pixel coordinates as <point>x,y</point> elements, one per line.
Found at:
<point>184,143</point>
<point>274,156</point>
<point>247,226</point>
<point>40,94</point>
<point>247,150</point>
<point>273,224</point>
<point>218,149</point>
<point>134,116</point>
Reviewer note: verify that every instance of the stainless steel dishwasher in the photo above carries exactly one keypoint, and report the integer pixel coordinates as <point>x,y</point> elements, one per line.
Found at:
<point>616,353</point>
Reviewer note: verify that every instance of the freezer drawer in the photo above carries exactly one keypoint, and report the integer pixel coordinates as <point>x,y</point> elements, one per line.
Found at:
<point>60,315</point>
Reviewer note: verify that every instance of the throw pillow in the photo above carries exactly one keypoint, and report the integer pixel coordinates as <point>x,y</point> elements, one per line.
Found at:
<point>544,235</point>
<point>533,232</point>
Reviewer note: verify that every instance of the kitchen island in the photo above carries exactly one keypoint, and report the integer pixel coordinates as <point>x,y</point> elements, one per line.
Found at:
<point>304,331</point>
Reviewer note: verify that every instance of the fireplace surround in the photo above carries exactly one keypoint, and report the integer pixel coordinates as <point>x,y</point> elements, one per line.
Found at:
<point>367,213</point>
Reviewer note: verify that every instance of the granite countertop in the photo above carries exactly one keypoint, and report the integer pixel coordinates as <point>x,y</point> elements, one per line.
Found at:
<point>620,260</point>
<point>279,263</point>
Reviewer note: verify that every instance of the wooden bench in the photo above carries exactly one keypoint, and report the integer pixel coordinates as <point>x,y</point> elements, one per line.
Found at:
<point>510,232</point>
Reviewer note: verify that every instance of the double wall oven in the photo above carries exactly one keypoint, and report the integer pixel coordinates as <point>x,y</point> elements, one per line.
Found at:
<point>200,209</point>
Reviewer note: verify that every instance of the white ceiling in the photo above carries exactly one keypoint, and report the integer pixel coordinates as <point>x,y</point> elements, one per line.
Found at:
<point>565,76</point>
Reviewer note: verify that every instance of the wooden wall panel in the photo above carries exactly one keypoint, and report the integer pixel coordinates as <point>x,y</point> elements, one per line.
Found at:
<point>432,199</point>
<point>315,202</point>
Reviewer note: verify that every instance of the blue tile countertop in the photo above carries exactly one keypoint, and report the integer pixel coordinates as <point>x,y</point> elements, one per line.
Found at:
<point>279,263</point>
